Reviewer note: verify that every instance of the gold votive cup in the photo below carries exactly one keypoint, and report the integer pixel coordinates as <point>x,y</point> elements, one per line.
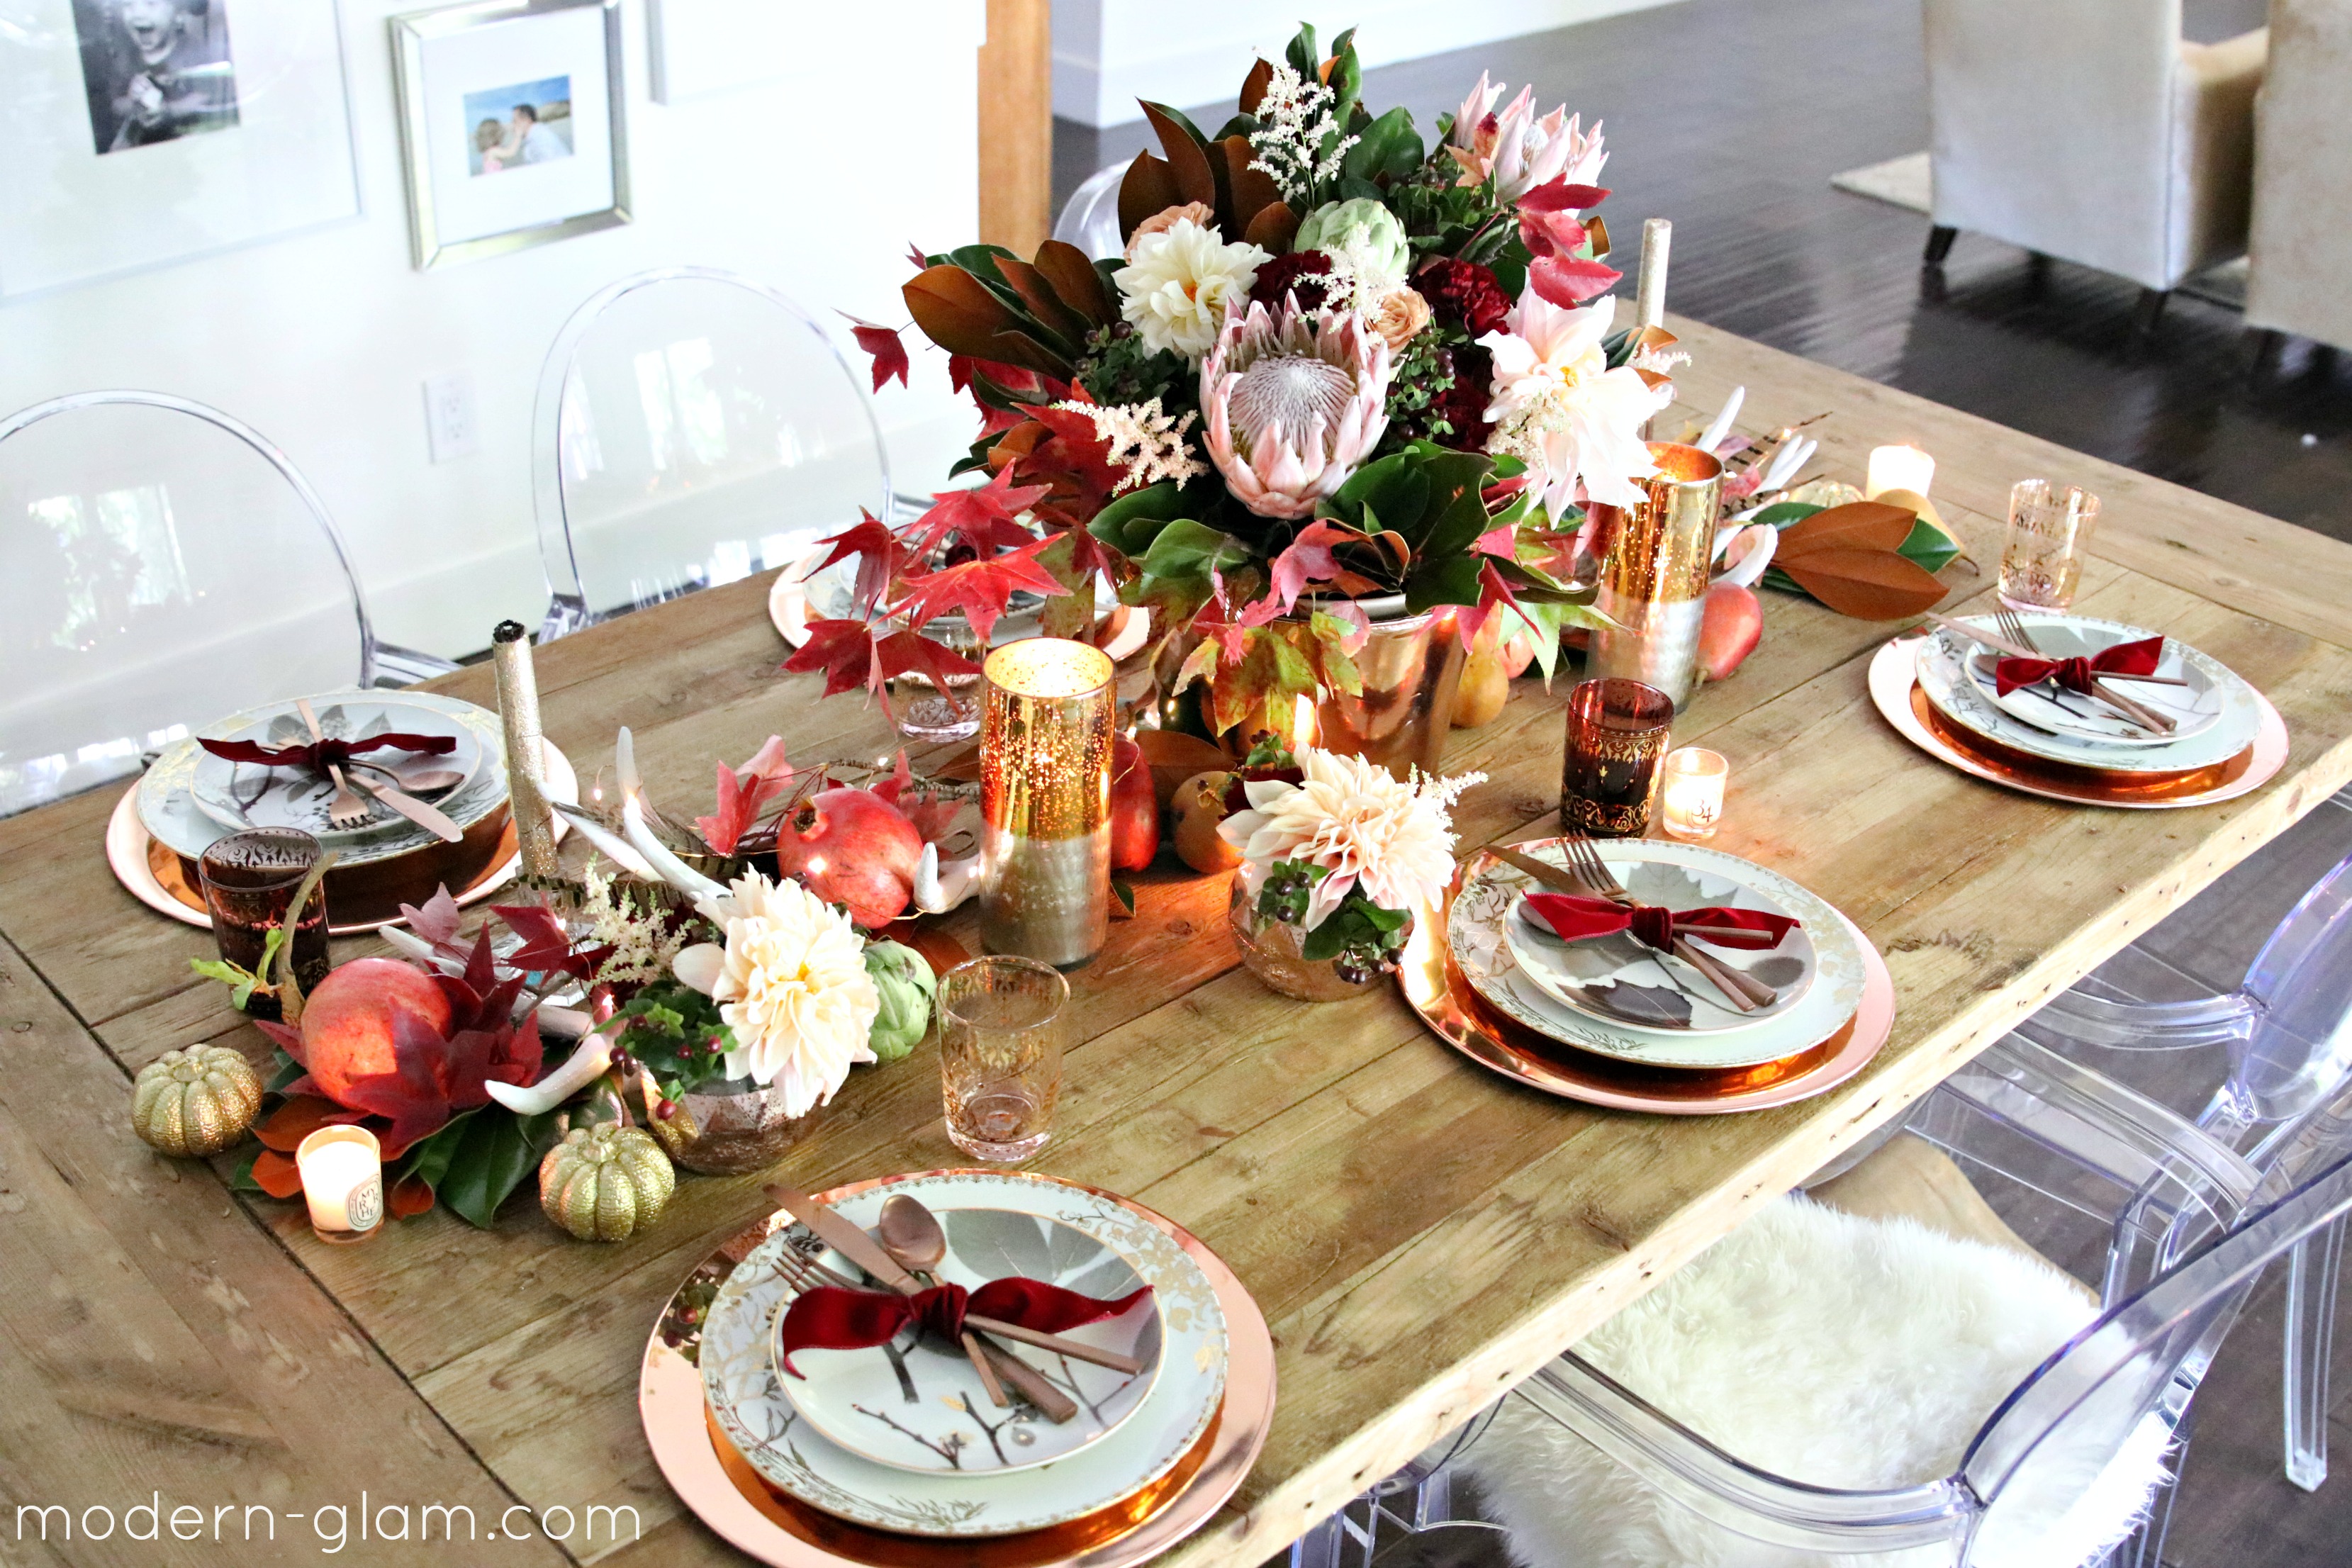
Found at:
<point>1654,563</point>
<point>2049,539</point>
<point>1048,709</point>
<point>343,1182</point>
<point>1690,801</point>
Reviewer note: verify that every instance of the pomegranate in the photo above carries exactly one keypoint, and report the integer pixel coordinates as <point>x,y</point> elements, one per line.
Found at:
<point>851,846</point>
<point>1732,624</point>
<point>1134,808</point>
<point>346,1022</point>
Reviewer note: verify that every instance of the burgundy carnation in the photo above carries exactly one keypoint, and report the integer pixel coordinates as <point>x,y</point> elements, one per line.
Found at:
<point>1295,273</point>
<point>1463,294</point>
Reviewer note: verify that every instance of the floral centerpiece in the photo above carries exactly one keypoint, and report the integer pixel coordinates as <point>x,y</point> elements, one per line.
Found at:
<point>1338,857</point>
<point>726,1009</point>
<point>1341,377</point>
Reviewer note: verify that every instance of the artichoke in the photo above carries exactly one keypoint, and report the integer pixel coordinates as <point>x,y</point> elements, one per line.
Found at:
<point>1380,248</point>
<point>903,980</point>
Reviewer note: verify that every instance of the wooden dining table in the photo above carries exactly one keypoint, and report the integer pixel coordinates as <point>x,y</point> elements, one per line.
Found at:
<point>1421,1234</point>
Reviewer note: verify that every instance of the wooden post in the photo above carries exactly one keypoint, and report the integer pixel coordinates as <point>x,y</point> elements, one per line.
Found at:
<point>1016,125</point>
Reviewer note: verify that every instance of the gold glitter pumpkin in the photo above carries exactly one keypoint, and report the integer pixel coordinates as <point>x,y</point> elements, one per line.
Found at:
<point>603,1183</point>
<point>197,1101</point>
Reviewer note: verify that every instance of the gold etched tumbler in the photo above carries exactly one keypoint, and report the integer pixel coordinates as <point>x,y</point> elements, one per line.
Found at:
<point>1655,559</point>
<point>1046,715</point>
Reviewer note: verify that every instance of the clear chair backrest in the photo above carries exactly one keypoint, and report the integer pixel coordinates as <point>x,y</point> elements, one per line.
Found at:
<point>1090,218</point>
<point>161,565</point>
<point>693,426</point>
<point>2300,1045</point>
<point>2126,1379</point>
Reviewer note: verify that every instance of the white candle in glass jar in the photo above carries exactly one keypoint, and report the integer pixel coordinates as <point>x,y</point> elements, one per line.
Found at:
<point>1899,469</point>
<point>1693,792</point>
<point>342,1179</point>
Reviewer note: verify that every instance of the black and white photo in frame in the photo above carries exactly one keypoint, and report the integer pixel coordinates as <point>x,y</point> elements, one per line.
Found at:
<point>138,133</point>
<point>511,124</point>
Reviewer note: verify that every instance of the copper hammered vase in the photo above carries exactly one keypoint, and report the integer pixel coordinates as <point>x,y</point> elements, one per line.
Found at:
<point>1410,668</point>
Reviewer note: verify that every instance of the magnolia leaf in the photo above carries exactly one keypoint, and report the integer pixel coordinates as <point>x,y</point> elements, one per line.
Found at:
<point>1596,233</point>
<point>1253,86</point>
<point>1132,521</point>
<point>1122,893</point>
<point>1185,549</point>
<point>1067,325</point>
<point>1150,187</point>
<point>1272,228</point>
<point>1867,583</point>
<point>1198,177</point>
<point>1075,282</point>
<point>1859,525</point>
<point>1389,146</point>
<point>1781,514</point>
<point>495,1152</point>
<point>957,311</point>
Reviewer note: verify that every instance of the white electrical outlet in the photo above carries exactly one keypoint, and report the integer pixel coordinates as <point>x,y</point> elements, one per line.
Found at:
<point>449,415</point>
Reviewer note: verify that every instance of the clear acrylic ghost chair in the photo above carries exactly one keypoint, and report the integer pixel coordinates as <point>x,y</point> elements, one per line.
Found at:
<point>692,427</point>
<point>1415,1503</point>
<point>2286,1036</point>
<point>2213,1226</point>
<point>1090,218</point>
<point>161,565</point>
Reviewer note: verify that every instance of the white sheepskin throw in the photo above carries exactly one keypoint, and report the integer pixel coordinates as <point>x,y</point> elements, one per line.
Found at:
<point>1862,1355</point>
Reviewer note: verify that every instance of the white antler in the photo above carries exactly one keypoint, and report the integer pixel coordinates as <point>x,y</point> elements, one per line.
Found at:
<point>940,888</point>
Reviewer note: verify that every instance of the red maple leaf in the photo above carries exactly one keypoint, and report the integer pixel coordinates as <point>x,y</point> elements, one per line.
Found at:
<point>1309,559</point>
<point>1552,233</point>
<point>547,946</point>
<point>1493,594</point>
<point>1570,281</point>
<point>981,589</point>
<point>1558,195</point>
<point>1063,452</point>
<point>881,556</point>
<point>743,793</point>
<point>850,655</point>
<point>915,255</point>
<point>984,518</point>
<point>882,342</point>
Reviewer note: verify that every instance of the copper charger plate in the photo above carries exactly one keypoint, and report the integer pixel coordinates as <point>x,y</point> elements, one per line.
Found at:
<point>1438,991</point>
<point>363,898</point>
<point>1895,689</point>
<point>722,1489</point>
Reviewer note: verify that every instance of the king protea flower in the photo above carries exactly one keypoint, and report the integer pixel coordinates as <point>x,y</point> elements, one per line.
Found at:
<point>1294,401</point>
<point>1555,405</point>
<point>1392,837</point>
<point>1519,149</point>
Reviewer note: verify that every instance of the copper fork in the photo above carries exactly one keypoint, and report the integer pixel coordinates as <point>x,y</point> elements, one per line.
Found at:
<point>346,809</point>
<point>1744,992</point>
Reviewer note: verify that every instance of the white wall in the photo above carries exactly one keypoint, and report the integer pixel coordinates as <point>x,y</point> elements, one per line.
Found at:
<point>1108,53</point>
<point>816,182</point>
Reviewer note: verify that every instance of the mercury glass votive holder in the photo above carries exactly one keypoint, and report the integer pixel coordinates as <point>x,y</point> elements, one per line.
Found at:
<point>1047,709</point>
<point>1654,561</point>
<point>1691,799</point>
<point>2049,538</point>
<point>1618,732</point>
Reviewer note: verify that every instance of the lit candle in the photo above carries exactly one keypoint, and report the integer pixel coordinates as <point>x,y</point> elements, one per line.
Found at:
<point>1899,469</point>
<point>1047,708</point>
<point>1694,791</point>
<point>342,1182</point>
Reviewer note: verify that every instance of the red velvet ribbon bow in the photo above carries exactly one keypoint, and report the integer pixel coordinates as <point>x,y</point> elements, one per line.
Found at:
<point>318,756</point>
<point>831,1318</point>
<point>1652,925</point>
<point>2080,674</point>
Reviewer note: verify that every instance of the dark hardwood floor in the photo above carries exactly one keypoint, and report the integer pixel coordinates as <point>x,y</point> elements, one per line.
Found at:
<point>1729,116</point>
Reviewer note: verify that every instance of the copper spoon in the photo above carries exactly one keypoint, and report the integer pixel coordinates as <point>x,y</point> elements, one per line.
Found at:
<point>911,1234</point>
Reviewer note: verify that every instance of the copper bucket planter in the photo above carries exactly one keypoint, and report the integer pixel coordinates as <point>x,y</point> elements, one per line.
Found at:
<point>1654,563</point>
<point>1410,668</point>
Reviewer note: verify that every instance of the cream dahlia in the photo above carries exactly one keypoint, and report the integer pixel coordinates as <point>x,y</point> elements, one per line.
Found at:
<point>1296,400</point>
<point>1557,405</point>
<point>1177,283</point>
<point>1520,150</point>
<point>1365,828</point>
<point>791,982</point>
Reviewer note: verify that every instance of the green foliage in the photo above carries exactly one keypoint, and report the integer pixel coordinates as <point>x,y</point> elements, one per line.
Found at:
<point>1386,150</point>
<point>677,1036</point>
<point>903,981</point>
<point>1926,544</point>
<point>1359,934</point>
<point>1419,376</point>
<point>482,1158</point>
<point>243,982</point>
<point>1120,367</point>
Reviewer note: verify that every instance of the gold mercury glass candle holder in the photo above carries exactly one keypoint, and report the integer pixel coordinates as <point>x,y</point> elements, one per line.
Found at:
<point>1654,563</point>
<point>2049,537</point>
<point>1047,716</point>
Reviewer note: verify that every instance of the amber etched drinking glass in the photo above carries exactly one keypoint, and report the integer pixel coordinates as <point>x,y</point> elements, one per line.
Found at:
<point>249,880</point>
<point>1617,732</point>
<point>1002,1022</point>
<point>2049,538</point>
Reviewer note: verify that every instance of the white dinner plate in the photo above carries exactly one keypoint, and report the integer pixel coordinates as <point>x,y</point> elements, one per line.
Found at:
<point>1947,679</point>
<point>2194,707</point>
<point>859,1398</point>
<point>740,1384</point>
<point>1478,934</point>
<point>239,796</point>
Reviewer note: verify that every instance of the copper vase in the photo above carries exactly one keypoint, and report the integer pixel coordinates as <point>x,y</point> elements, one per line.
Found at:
<point>1654,561</point>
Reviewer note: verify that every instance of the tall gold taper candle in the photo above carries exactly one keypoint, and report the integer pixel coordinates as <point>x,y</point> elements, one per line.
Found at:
<point>1650,299</point>
<point>526,766</point>
<point>1046,715</point>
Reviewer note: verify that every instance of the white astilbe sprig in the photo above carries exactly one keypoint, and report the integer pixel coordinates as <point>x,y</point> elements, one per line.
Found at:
<point>1148,444</point>
<point>1444,792</point>
<point>641,943</point>
<point>1295,121</point>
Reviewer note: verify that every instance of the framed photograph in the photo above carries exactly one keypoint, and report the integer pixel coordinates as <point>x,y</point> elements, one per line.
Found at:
<point>511,122</point>
<point>142,132</point>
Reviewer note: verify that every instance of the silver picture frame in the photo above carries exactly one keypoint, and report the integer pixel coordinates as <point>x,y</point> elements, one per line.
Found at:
<point>412,32</point>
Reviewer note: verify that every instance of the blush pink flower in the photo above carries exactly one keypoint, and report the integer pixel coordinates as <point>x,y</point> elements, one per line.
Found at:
<point>1518,149</point>
<point>1557,406</point>
<point>1296,400</point>
<point>1392,837</point>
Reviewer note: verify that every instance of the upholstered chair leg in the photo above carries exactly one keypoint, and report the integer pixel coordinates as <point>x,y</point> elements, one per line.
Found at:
<point>2150,309</point>
<point>1939,245</point>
